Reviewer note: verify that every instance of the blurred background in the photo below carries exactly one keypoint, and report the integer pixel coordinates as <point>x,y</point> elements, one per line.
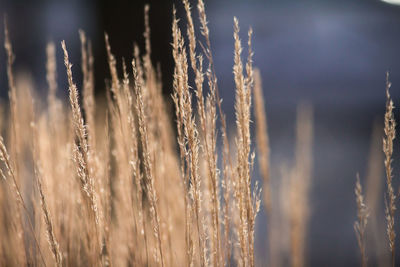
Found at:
<point>331,54</point>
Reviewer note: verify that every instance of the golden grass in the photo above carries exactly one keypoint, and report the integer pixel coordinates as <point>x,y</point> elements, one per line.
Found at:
<point>109,183</point>
<point>390,199</point>
<point>362,220</point>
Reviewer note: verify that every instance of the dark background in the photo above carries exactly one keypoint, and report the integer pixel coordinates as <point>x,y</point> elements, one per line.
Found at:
<point>332,54</point>
<point>33,23</point>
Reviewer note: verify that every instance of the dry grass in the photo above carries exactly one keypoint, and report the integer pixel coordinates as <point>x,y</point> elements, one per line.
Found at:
<point>390,198</point>
<point>120,183</point>
<point>362,220</point>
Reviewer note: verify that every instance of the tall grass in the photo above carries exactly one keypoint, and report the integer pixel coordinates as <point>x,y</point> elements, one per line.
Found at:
<point>120,182</point>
